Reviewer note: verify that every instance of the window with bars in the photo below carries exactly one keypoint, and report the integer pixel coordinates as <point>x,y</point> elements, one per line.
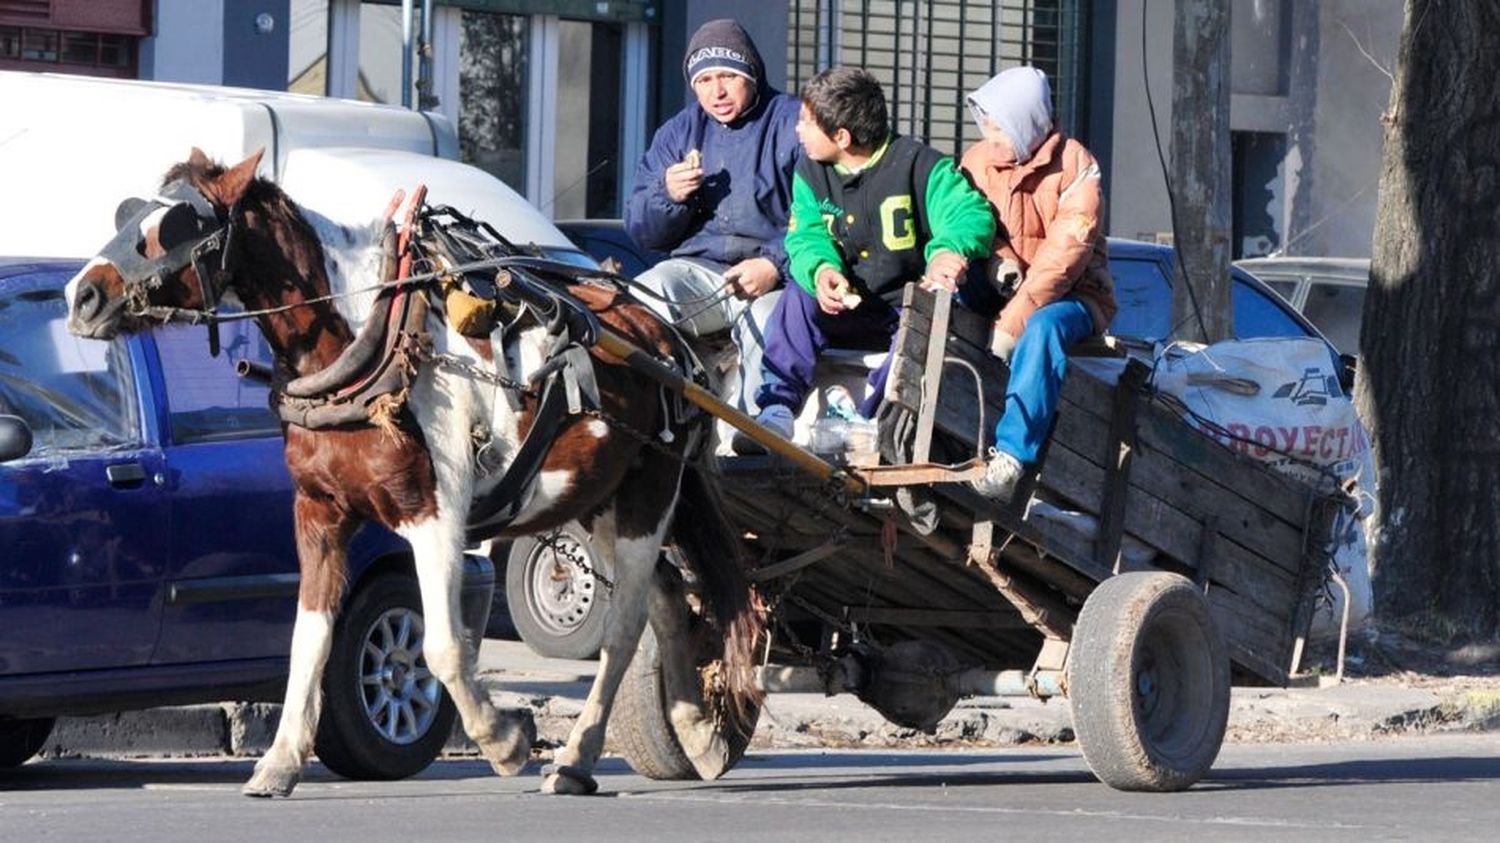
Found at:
<point>32,48</point>
<point>928,54</point>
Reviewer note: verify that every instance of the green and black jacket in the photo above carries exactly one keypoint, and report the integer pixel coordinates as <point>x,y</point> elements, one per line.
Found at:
<point>881,225</point>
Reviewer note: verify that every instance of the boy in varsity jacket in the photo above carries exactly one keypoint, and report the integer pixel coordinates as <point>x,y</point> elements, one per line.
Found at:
<point>871,211</point>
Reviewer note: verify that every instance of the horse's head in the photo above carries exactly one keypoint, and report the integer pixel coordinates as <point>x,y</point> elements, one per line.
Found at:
<point>174,251</point>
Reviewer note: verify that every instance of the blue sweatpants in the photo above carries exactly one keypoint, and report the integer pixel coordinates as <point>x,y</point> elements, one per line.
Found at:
<point>798,331</point>
<point>1037,368</point>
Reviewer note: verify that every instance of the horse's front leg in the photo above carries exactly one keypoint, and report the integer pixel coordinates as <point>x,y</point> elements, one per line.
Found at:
<point>323,531</point>
<point>437,546</point>
<point>634,561</point>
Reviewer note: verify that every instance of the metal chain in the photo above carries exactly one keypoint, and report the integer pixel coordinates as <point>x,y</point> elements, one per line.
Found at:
<point>550,540</point>
<point>455,363</point>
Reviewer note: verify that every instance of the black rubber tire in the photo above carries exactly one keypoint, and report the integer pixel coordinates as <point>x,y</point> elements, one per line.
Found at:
<point>349,742</point>
<point>641,731</point>
<point>1148,679</point>
<point>577,633</point>
<point>22,738</point>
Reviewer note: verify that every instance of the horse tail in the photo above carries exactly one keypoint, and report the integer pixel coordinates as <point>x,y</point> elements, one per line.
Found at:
<point>703,533</point>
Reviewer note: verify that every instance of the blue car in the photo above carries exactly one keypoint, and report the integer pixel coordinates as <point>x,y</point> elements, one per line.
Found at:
<point>146,546</point>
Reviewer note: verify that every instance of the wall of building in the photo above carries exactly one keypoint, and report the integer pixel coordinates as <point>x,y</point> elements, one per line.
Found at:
<point>1305,107</point>
<point>255,43</point>
<point>1353,90</point>
<point>218,42</point>
<point>765,21</point>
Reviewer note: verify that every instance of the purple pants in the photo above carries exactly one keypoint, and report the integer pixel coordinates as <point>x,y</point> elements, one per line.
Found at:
<point>798,331</point>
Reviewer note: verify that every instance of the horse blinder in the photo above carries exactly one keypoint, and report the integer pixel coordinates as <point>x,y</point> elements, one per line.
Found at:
<point>191,232</point>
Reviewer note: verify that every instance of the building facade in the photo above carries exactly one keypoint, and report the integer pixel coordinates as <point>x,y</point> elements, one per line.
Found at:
<point>559,97</point>
<point>1309,81</point>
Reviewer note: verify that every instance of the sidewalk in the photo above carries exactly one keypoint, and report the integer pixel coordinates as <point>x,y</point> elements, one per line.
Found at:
<point>553,690</point>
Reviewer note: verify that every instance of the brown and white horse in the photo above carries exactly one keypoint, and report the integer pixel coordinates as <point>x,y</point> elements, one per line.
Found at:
<point>419,476</point>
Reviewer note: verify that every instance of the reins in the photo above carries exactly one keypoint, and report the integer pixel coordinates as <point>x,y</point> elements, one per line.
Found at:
<point>199,316</point>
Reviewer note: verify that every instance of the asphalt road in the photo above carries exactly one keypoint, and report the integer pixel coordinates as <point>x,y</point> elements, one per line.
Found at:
<point>1438,787</point>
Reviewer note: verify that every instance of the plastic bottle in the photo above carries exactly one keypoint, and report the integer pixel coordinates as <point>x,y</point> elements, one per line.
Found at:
<point>842,429</point>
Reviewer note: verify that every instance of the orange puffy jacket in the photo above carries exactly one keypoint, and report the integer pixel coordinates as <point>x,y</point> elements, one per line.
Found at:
<point>1049,210</point>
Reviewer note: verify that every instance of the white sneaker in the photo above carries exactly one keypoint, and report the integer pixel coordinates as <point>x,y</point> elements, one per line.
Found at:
<point>1001,474</point>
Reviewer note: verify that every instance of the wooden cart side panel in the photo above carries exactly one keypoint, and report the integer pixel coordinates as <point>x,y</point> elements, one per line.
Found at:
<point>1179,481</point>
<point>1083,428</point>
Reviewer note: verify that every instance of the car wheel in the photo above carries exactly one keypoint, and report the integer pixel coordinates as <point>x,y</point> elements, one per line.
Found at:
<point>385,715</point>
<point>20,739</point>
<point>553,599</point>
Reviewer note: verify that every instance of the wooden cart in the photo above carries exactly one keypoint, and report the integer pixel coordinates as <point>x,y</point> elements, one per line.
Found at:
<point>1153,564</point>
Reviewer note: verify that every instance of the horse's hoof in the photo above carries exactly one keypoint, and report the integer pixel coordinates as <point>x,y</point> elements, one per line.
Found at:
<point>509,755</point>
<point>563,780</point>
<point>271,782</point>
<point>712,764</point>
<point>511,766</point>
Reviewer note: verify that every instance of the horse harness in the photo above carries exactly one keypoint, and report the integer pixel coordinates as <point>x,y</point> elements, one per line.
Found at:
<point>370,381</point>
<point>193,233</point>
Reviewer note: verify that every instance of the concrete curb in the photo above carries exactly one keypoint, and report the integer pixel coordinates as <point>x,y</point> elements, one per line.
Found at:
<point>1344,712</point>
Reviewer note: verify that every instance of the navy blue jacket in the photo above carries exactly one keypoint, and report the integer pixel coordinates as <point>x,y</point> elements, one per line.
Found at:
<point>741,209</point>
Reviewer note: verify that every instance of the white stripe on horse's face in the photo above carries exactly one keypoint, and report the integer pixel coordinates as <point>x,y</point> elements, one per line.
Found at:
<point>70,292</point>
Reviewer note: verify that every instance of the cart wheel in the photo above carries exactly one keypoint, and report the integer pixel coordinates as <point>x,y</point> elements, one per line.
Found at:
<point>1148,678</point>
<point>642,731</point>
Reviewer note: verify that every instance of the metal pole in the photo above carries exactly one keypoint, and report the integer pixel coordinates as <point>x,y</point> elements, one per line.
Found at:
<point>612,343</point>
<point>406,12</point>
<point>426,99</point>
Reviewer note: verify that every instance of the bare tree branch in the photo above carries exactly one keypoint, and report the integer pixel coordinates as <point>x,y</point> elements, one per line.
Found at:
<point>1366,53</point>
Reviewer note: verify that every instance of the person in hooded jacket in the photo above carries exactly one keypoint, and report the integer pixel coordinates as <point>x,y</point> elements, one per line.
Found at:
<point>714,191</point>
<point>1050,258</point>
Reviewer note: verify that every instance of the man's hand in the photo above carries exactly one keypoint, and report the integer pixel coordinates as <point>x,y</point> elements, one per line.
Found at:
<point>752,278</point>
<point>944,271</point>
<point>682,180</point>
<point>833,288</point>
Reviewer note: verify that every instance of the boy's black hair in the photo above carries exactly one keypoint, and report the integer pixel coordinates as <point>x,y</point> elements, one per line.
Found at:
<point>848,98</point>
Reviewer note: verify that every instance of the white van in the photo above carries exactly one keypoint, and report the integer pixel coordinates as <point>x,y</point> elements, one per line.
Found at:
<point>72,147</point>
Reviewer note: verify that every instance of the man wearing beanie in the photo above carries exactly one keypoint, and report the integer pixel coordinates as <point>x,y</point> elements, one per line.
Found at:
<point>1049,257</point>
<point>713,191</point>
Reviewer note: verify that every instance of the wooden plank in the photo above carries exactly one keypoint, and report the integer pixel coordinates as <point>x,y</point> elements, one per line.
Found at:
<point>1166,432</point>
<point>1177,535</point>
<point>1190,493</point>
<point>1120,454</point>
<point>932,377</point>
<point>937,617</point>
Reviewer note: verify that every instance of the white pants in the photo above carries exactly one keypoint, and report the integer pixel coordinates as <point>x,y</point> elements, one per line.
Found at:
<point>728,332</point>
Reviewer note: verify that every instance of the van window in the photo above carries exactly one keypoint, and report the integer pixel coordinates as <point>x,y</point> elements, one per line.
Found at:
<point>1337,310</point>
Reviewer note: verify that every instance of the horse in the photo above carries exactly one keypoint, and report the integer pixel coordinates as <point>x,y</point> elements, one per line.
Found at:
<point>633,473</point>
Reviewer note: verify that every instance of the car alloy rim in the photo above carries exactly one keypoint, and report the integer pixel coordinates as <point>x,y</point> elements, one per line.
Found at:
<point>559,591</point>
<point>400,694</point>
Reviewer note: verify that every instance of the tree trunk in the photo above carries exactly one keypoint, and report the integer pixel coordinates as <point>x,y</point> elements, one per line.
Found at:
<point>1429,382</point>
<point>1201,306</point>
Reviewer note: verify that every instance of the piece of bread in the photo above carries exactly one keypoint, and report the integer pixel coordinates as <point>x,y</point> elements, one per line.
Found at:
<point>694,159</point>
<point>847,297</point>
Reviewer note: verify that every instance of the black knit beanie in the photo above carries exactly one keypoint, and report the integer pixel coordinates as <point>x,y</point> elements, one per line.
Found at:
<point>722,45</point>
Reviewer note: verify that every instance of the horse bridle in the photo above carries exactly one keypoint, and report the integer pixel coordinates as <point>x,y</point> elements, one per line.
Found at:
<point>194,233</point>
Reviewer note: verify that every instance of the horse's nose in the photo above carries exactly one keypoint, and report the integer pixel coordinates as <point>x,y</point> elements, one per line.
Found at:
<point>88,302</point>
